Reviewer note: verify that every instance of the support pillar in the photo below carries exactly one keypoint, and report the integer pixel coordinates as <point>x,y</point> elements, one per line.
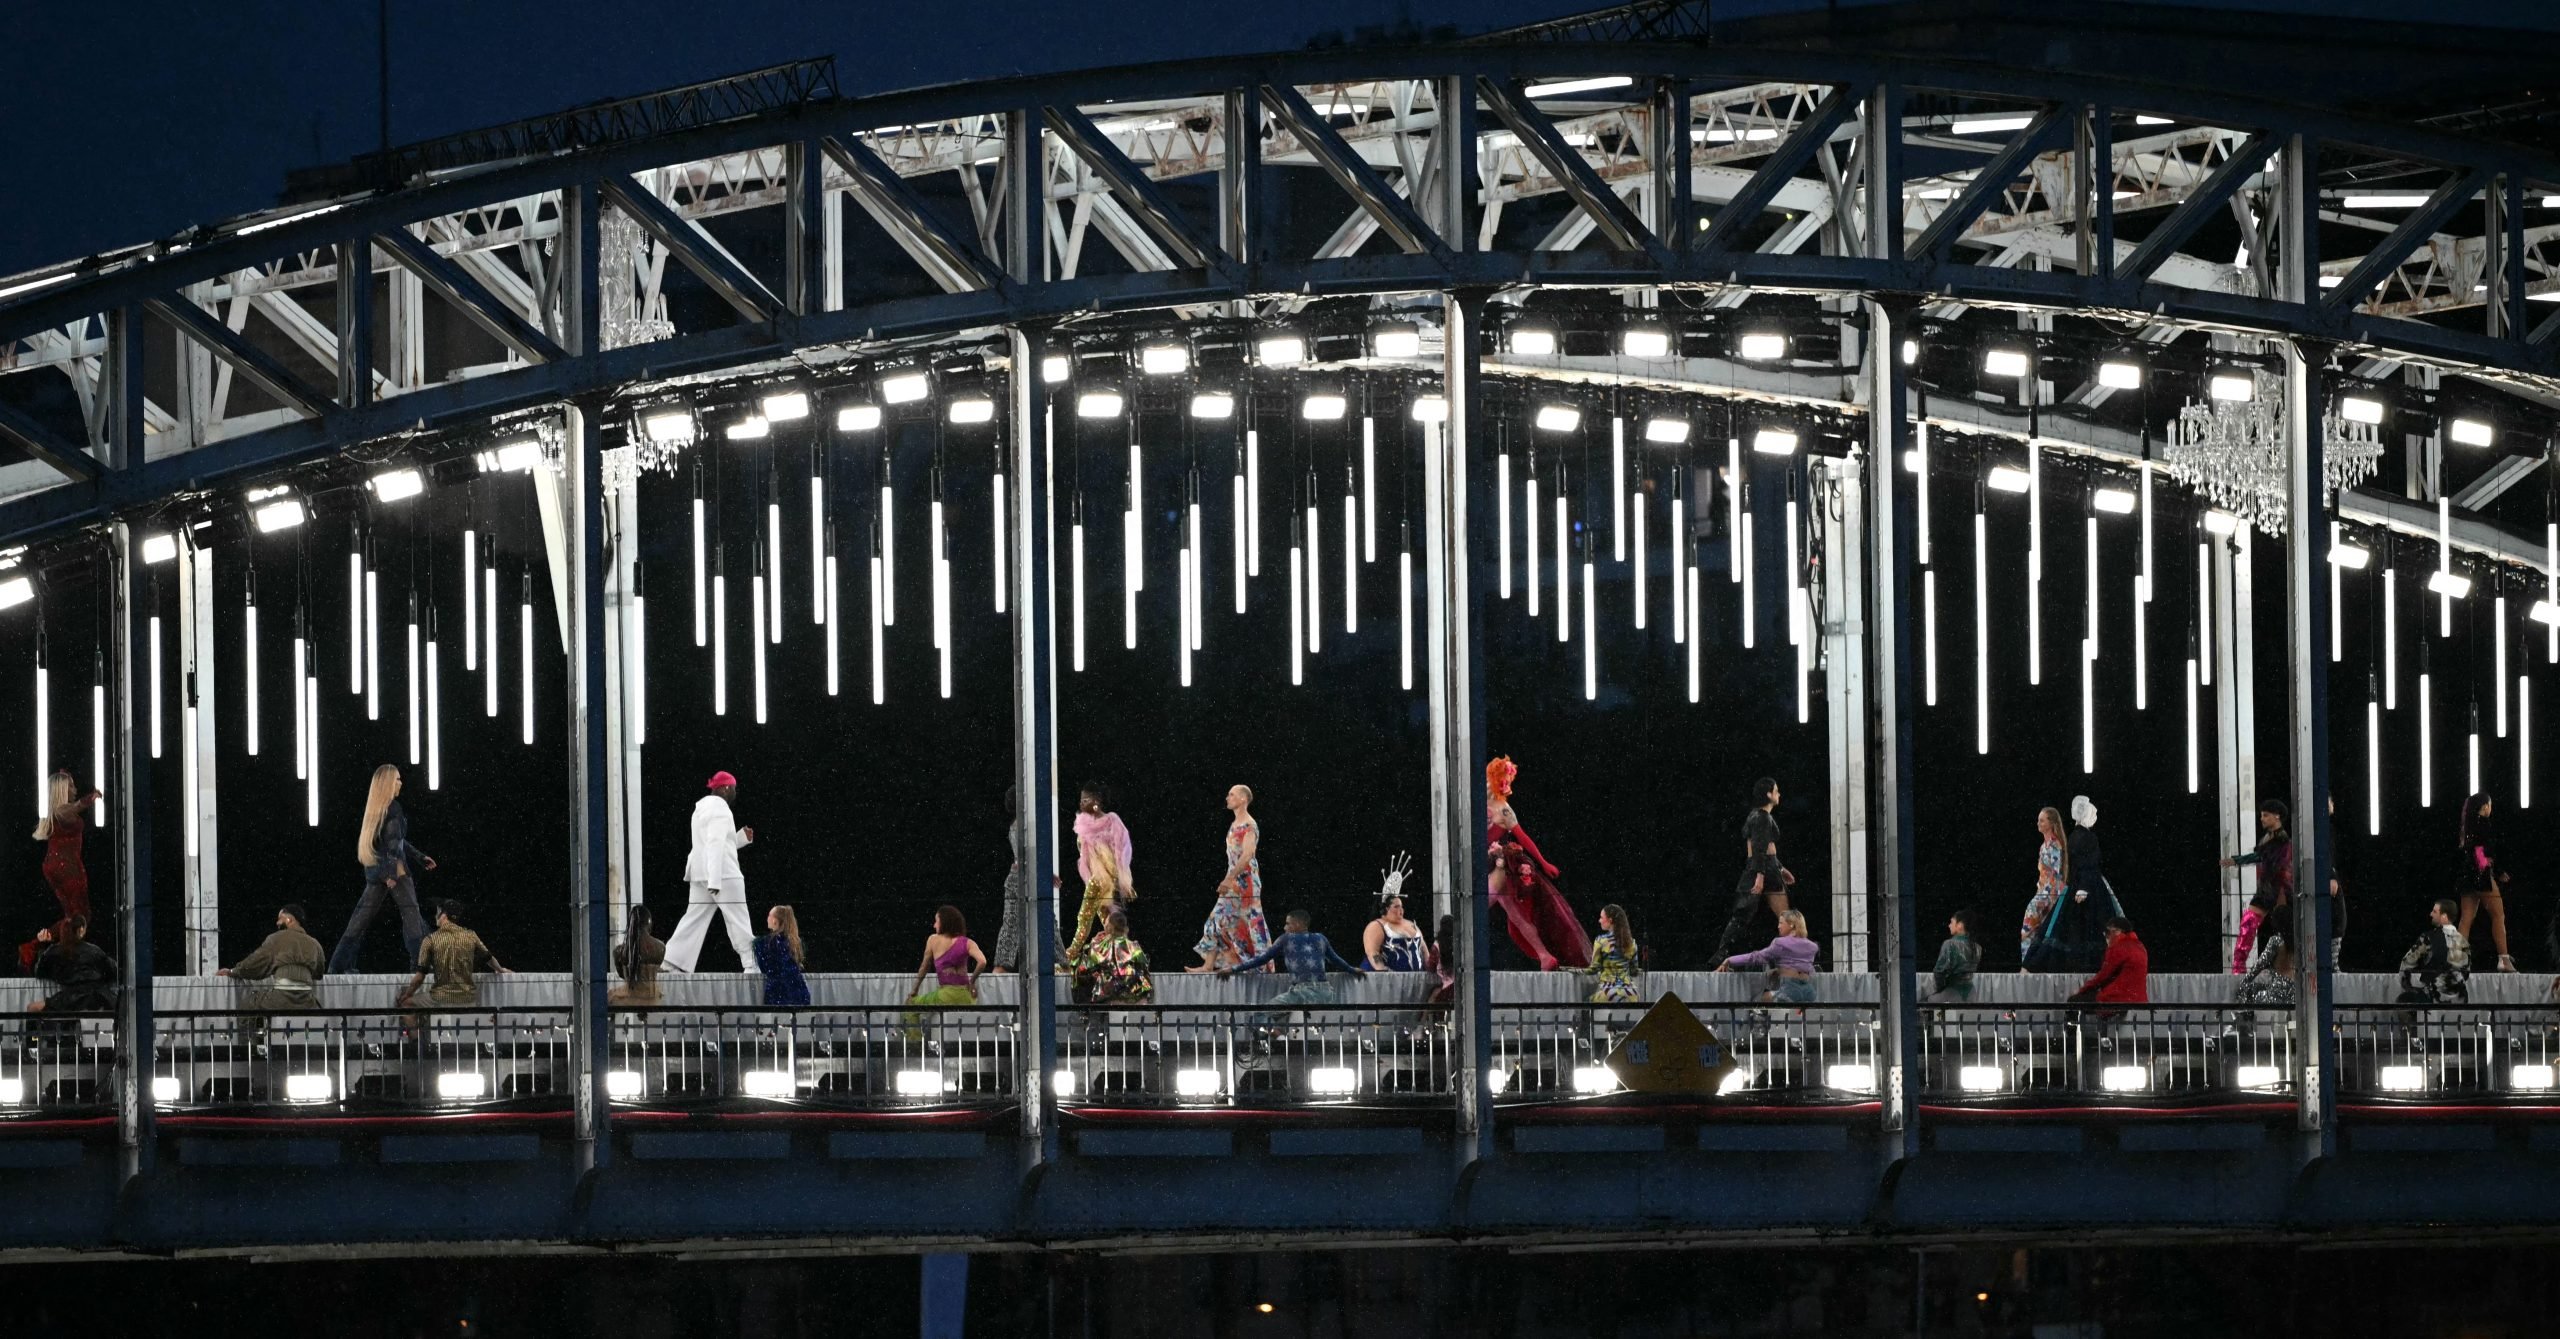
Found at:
<point>1839,626</point>
<point>580,564</point>
<point>2235,704</point>
<point>1891,872</point>
<point>1457,716</point>
<point>201,944</point>
<point>131,793</point>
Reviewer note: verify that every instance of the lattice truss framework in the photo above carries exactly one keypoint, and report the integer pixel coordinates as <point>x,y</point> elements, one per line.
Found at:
<point>898,217</point>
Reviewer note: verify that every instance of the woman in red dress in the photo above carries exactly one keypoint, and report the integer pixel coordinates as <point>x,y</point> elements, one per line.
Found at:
<point>1523,883</point>
<point>61,830</point>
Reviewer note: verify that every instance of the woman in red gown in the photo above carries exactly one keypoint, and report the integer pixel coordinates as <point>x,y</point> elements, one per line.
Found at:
<point>1523,883</point>
<point>61,830</point>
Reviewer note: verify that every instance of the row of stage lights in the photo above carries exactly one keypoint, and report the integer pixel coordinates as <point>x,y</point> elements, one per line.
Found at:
<point>274,509</point>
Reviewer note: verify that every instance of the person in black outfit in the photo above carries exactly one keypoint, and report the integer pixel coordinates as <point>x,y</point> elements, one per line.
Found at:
<point>2478,881</point>
<point>391,868</point>
<point>2075,935</point>
<point>83,971</point>
<point>1765,879</point>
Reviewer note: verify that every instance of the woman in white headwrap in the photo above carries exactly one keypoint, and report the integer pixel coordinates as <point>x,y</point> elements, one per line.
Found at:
<point>2075,935</point>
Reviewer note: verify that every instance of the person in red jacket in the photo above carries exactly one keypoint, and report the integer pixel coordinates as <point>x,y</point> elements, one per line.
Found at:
<point>2124,975</point>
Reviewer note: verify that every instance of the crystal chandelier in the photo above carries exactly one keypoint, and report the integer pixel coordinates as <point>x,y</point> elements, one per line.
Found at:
<point>2232,452</point>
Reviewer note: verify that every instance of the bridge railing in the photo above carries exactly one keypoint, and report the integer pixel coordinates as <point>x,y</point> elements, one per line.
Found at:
<point>1813,1053</point>
<point>2492,1053</point>
<point>2113,1053</point>
<point>1253,1055</point>
<point>58,1063</point>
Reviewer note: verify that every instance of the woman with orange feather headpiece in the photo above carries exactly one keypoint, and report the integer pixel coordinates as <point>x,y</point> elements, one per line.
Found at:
<point>1523,883</point>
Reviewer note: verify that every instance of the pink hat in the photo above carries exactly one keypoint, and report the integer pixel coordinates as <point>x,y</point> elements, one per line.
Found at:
<point>719,779</point>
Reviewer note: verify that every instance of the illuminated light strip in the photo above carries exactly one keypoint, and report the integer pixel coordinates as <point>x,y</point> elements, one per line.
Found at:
<point>719,644</point>
<point>888,550</point>
<point>1000,546</point>
<point>1314,574</point>
<point>489,589</point>
<point>98,736</point>
<point>1075,550</point>
<point>1920,485</point>
<point>1590,632</point>
<point>1750,619</point>
<point>639,653</point>
<point>1795,602</point>
<point>1297,613</point>
<point>2142,587</point>
<point>355,618</point>
<point>301,718</point>
<point>1129,580</point>
<point>879,679</point>
<point>1982,632</point>
<point>2498,638</point>
<point>1618,505</point>
<point>1350,564</point>
<point>2204,611</point>
<point>1640,560</point>
<point>2337,625</point>
<point>2524,742</point>
<point>1252,510</point>
<point>942,599</point>
<point>2426,735</point>
<point>2088,707</point>
<point>701,596</point>
<point>2444,564</point>
<point>2551,582</point>
<point>191,793</point>
<point>2390,639</point>
<point>44,737</point>
<point>835,628</point>
<point>2089,646</point>
<point>1502,520</point>
<point>435,718</point>
<point>1368,489</point>
<point>1564,570</point>
<point>372,644</point>
<point>524,656</point>
<point>2472,752</point>
<point>755,637</point>
<point>1199,572</point>
<point>1693,642</point>
<point>1530,512</point>
<point>1404,612</point>
<point>1137,509</point>
<point>156,691</point>
<point>249,678</point>
<point>1673,535</point>
<point>311,712</point>
<point>2194,775</point>
<point>1929,632</point>
<point>2373,763</point>
<point>821,607</point>
<point>1182,573</point>
<point>1241,559</point>
<point>2035,563</point>
<point>417,725</point>
<point>773,565</point>
<point>1737,530</point>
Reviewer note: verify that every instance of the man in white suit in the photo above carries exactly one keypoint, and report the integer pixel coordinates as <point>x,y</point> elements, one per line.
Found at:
<point>717,883</point>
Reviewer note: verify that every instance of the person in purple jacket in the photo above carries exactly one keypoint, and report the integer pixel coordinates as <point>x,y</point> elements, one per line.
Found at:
<point>1788,960</point>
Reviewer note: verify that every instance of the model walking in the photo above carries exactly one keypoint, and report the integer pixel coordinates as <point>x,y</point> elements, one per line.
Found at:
<point>1103,857</point>
<point>62,830</point>
<point>718,886</point>
<point>2274,895</point>
<point>1236,929</point>
<point>390,872</point>
<point>2075,934</point>
<point>2053,876</point>
<point>1018,911</point>
<point>1522,885</point>
<point>1765,878</point>
<point>2478,880</point>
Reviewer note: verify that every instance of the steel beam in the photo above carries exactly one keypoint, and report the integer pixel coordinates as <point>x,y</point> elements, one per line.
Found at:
<point>2205,203</point>
<point>952,261</point>
<point>136,1141</point>
<point>699,250</point>
<point>1777,171</point>
<point>591,855</point>
<point>245,359</point>
<point>2051,128</point>
<point>38,441</point>
<point>485,308</point>
<point>1397,217</point>
<point>1595,198</point>
<point>1136,191</point>
<point>2412,232</point>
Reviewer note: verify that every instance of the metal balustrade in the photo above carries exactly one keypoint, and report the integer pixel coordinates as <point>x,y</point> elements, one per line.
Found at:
<point>1797,1053</point>
<point>2500,1053</point>
<point>2078,1052</point>
<point>1253,1054</point>
<point>58,1063</point>
<point>376,1061</point>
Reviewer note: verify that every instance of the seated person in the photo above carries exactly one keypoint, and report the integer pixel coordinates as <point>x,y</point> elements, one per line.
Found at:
<point>1951,977</point>
<point>637,960</point>
<point>85,975</point>
<point>1304,954</point>
<point>2124,976</point>
<point>2437,969</point>
<point>285,971</point>
<point>2272,984</point>
<point>453,955</point>
<point>1788,960</point>
<point>1112,969</point>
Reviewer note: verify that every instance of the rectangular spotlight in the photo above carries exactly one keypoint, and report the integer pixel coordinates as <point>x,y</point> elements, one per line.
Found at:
<point>1595,1079</point>
<point>2004,362</point>
<point>397,485</point>
<point>905,387</point>
<point>2008,479</point>
<point>1196,1083</point>
<point>1671,431</point>
<point>2384,200</point>
<point>164,1088</point>
<point>1990,125</point>
<point>2404,1078</point>
<point>2117,374</point>
<point>2234,386</point>
<point>769,1083</point>
<point>1333,1081</point>
<point>1594,84</point>
<point>858,418</point>
<point>1850,1078</point>
<point>2450,585</point>
<point>1055,368</point>
<point>1430,409</point>
<point>2470,432</point>
<point>159,548</point>
<point>2350,557</point>
<point>973,409</point>
<point>1213,404</point>
<point>1098,404</point>
<point>1645,342</point>
<point>2125,1078</point>
<point>283,514</point>
<point>919,1083</point>
<point>1763,346</point>
<point>1163,360</point>
<point>2219,522</point>
<point>2530,1078</point>
<point>1324,408</point>
<point>1559,417</point>
<point>2114,501</point>
<point>1980,1078</point>
<point>12,1092</point>
<point>752,428</point>
<point>1063,1083</point>
<point>1281,350</point>
<point>1399,339</point>
<point>1774,442</point>
<point>309,1088</point>
<point>2260,1076</point>
<point>786,406</point>
<point>462,1085</point>
<point>1535,341</point>
<point>2359,409</point>
<point>624,1085</point>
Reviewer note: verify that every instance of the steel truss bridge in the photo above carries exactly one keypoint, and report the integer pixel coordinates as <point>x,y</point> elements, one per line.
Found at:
<point>812,241</point>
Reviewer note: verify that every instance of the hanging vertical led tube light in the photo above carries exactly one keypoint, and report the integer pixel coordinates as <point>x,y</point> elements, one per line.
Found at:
<point>1692,584</point>
<point>372,642</point>
<point>2142,586</point>
<point>435,708</point>
<point>1929,634</point>
<point>157,696</point>
<point>2498,639</point>
<point>1368,488</point>
<point>471,581</point>
<point>1252,508</point>
<point>1675,536</point>
<point>44,728</point>
<point>417,741</point>
<point>2551,576</point>
<point>1618,504</point>
<point>1590,628</point>
<point>1137,511</point>
<point>1199,605</point>
<point>773,551</point>
<point>1315,568</point>
<point>2390,631</point>
<point>1640,556</point>
<point>701,571</point>
<point>1182,620</point>
<point>888,540</point>
<point>524,658</point>
<point>1530,516</point>
<point>996,490</point>
<point>1564,564</point>
<point>2035,562</point>
<point>1928,571</point>
<point>355,611</point>
<point>1241,557</point>
<point>2194,773</point>
<point>879,595</point>
<point>1750,618</point>
<point>1297,606</point>
<point>2337,625</point>
<point>942,586</point>
<point>1981,626</point>
<point>755,625</point>
<point>2204,607</point>
<point>98,732</point>
<point>835,627</point>
<point>1737,540</point>
<point>311,714</point>
<point>639,651</point>
<point>2089,640</point>
<point>190,763</point>
<point>2372,754</point>
<point>2524,742</point>
<point>1502,510</point>
<point>301,717</point>
<point>2444,564</point>
<point>489,592</point>
<point>249,656</point>
<point>2426,728</point>
<point>821,606</point>
<point>1795,602</point>
<point>1350,561</point>
<point>2472,750</point>
<point>719,632</point>
<point>1404,603</point>
<point>1075,558</point>
<point>1132,570</point>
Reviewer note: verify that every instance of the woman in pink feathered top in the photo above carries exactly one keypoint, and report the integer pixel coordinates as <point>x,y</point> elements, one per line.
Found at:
<point>1102,860</point>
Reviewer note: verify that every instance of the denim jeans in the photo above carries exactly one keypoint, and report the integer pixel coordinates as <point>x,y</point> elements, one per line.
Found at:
<point>403,893</point>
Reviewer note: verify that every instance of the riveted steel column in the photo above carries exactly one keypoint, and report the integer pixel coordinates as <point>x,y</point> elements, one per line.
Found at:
<point>131,793</point>
<point>582,596</point>
<point>1034,684</point>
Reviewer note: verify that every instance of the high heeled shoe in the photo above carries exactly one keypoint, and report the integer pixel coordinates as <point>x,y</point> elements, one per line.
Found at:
<point>2506,963</point>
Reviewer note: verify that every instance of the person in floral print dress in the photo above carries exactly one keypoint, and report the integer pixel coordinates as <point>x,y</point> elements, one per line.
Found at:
<point>2052,877</point>
<point>1236,929</point>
